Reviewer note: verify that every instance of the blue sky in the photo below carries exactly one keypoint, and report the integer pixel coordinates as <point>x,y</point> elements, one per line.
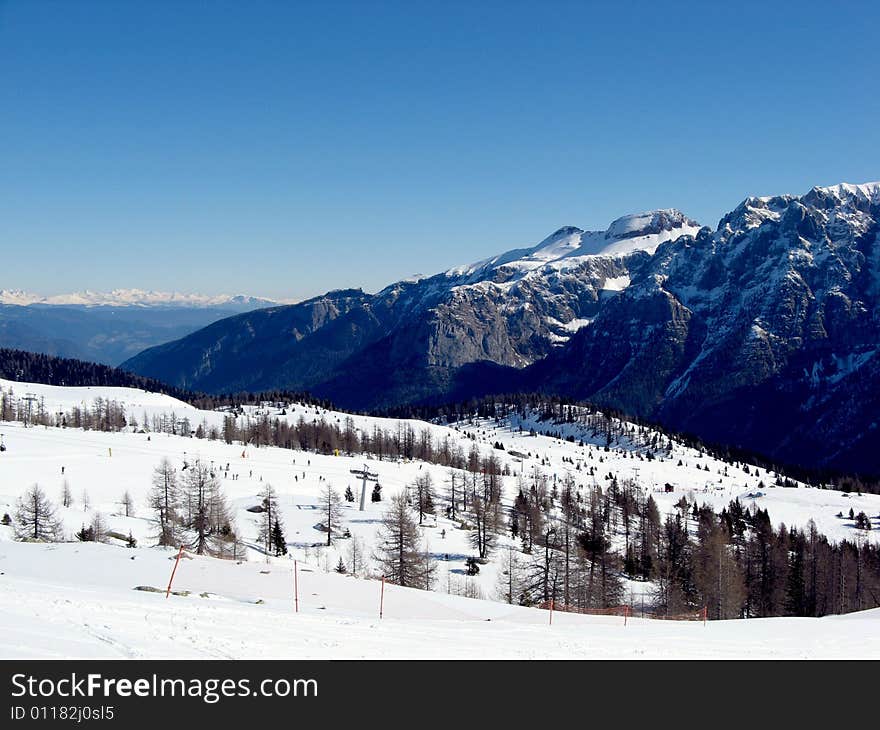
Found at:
<point>288,148</point>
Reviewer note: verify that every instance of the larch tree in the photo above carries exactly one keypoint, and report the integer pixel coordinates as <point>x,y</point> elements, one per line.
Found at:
<point>357,556</point>
<point>163,499</point>
<point>210,520</point>
<point>66,494</point>
<point>331,507</point>
<point>35,517</point>
<point>399,553</point>
<point>269,518</point>
<point>127,503</point>
<point>423,491</point>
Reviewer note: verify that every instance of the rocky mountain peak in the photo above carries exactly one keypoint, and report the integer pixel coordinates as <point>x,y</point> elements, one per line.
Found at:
<point>648,223</point>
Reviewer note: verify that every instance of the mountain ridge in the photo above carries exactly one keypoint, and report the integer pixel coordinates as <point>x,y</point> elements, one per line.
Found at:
<point>134,298</point>
<point>766,326</point>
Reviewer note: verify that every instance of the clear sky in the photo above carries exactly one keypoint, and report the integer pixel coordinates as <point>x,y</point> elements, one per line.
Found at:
<point>286,148</point>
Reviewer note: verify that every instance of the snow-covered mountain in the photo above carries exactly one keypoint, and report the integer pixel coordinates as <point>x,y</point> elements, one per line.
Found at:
<point>136,298</point>
<point>762,333</point>
<point>566,247</point>
<point>109,327</point>
<point>510,310</point>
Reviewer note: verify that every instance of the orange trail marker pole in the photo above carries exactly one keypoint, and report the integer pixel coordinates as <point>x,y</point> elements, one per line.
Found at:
<point>173,571</point>
<point>295,589</point>
<point>382,598</point>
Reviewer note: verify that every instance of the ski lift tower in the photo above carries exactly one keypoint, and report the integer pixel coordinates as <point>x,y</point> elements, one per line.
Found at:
<point>367,476</point>
<point>30,399</point>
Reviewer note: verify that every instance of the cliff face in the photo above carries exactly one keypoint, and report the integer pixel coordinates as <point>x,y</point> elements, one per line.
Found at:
<point>510,310</point>
<point>763,333</point>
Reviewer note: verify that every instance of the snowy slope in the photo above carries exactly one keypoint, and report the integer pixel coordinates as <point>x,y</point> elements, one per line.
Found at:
<point>98,579</point>
<point>37,455</point>
<point>55,398</point>
<point>564,248</point>
<point>77,600</point>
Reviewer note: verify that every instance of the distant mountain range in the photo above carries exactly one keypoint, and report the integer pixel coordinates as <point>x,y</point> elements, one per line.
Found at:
<point>763,333</point>
<point>109,327</point>
<point>137,298</point>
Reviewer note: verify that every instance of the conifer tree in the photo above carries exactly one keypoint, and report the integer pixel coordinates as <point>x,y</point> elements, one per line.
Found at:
<point>35,517</point>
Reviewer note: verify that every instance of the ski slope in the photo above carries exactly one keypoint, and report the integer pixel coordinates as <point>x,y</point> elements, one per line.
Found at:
<point>339,613</point>
<point>77,600</point>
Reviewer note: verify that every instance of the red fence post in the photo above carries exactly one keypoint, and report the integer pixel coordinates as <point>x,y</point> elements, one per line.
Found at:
<point>295,589</point>
<point>173,571</point>
<point>382,598</point>
<point>625,614</point>
<point>551,611</point>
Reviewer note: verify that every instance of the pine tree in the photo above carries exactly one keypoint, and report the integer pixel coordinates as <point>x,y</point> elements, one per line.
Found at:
<point>795,587</point>
<point>278,540</point>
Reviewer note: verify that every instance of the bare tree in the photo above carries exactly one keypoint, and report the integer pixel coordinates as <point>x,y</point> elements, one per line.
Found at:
<point>428,568</point>
<point>35,517</point>
<point>99,528</point>
<point>127,504</point>
<point>331,506</point>
<point>270,518</point>
<point>423,489</point>
<point>163,499</point>
<point>510,577</point>
<point>357,556</point>
<point>211,521</point>
<point>66,494</point>
<point>399,552</point>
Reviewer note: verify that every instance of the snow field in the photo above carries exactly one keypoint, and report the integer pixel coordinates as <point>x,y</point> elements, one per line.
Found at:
<point>76,599</point>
